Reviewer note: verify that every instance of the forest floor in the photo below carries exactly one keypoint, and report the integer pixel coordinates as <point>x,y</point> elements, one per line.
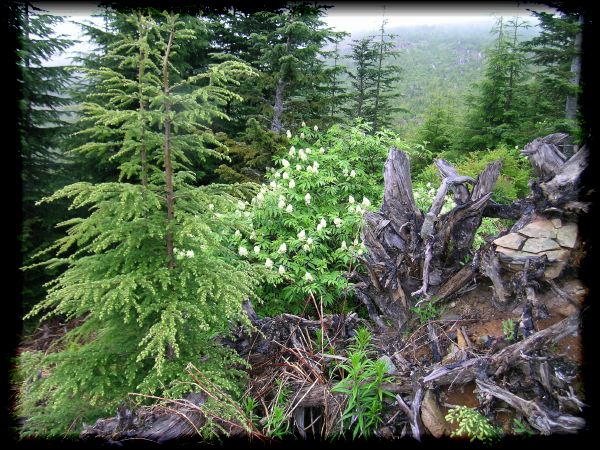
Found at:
<point>286,355</point>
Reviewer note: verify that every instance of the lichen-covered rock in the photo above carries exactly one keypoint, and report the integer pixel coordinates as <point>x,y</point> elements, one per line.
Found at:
<point>554,270</point>
<point>541,228</point>
<point>433,416</point>
<point>557,255</point>
<point>512,252</point>
<point>567,235</point>
<point>511,240</point>
<point>538,245</point>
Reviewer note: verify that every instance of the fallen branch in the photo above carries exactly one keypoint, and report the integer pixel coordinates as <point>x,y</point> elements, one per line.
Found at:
<point>496,364</point>
<point>540,418</point>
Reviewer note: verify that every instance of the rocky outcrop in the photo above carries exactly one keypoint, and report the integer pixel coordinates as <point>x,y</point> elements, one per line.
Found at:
<point>550,237</point>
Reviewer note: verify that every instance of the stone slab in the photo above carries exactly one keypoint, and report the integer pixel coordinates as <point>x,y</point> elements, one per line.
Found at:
<point>554,270</point>
<point>567,235</point>
<point>511,240</point>
<point>539,229</point>
<point>512,252</point>
<point>557,255</point>
<point>538,245</point>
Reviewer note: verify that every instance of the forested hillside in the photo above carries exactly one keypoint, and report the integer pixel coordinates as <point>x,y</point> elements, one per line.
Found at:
<point>241,222</point>
<point>436,61</point>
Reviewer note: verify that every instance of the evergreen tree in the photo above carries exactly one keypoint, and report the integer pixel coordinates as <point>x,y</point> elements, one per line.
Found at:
<point>437,130</point>
<point>497,108</point>
<point>42,128</point>
<point>362,79</point>
<point>555,52</point>
<point>374,79</point>
<point>290,50</point>
<point>337,89</point>
<point>151,277</point>
<point>386,76</point>
<point>250,155</point>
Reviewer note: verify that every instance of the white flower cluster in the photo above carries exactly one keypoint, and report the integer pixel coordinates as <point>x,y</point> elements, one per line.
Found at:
<point>180,254</point>
<point>358,209</point>
<point>281,204</point>
<point>314,168</point>
<point>322,224</point>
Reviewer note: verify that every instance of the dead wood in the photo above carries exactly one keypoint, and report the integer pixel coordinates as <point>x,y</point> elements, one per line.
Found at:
<point>497,363</point>
<point>411,255</point>
<point>542,419</point>
<point>177,419</point>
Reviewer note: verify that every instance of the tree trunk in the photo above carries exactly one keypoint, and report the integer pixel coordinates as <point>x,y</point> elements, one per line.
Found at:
<point>142,107</point>
<point>378,84</point>
<point>167,155</point>
<point>571,104</point>
<point>412,255</point>
<point>415,256</point>
<point>276,124</point>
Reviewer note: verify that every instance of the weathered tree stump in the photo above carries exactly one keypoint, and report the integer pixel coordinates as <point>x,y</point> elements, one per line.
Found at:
<point>414,255</point>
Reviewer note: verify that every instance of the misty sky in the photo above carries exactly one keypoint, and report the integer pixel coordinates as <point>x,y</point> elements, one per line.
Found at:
<point>343,16</point>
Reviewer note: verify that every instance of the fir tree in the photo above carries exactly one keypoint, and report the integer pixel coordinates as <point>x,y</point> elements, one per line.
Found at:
<point>363,56</point>
<point>290,49</point>
<point>42,128</point>
<point>337,87</point>
<point>555,52</point>
<point>386,76</point>
<point>150,277</point>
<point>497,108</point>
<point>437,129</point>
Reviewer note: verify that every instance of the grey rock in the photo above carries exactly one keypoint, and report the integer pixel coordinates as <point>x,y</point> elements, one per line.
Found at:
<point>537,245</point>
<point>511,252</point>
<point>390,367</point>
<point>557,255</point>
<point>567,235</point>
<point>511,240</point>
<point>539,229</point>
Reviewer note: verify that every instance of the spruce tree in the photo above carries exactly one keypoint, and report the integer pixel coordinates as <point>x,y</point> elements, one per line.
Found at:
<point>386,76</point>
<point>43,125</point>
<point>150,278</point>
<point>497,107</point>
<point>555,52</point>
<point>362,79</point>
